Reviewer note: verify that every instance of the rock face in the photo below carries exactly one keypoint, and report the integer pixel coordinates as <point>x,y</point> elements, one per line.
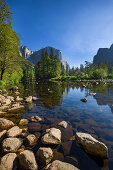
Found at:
<point>9,162</point>
<point>104,55</point>
<point>14,131</point>
<point>63,124</point>
<point>31,140</point>
<point>11,144</point>
<point>58,165</point>
<point>34,57</point>
<point>5,124</point>
<point>52,136</point>
<point>27,160</point>
<point>45,155</point>
<point>91,145</point>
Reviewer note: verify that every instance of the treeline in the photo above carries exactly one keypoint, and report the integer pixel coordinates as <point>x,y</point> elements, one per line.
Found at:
<point>12,64</point>
<point>49,66</point>
<point>88,71</point>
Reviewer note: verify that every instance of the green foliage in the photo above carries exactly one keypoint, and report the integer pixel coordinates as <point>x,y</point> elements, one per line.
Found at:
<point>48,67</point>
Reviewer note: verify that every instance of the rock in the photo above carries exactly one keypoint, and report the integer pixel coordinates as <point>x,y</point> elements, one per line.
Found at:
<point>14,131</point>
<point>4,91</point>
<point>11,98</point>
<point>5,124</point>
<point>23,122</point>
<point>7,102</point>
<point>16,105</point>
<point>18,99</point>
<point>92,94</point>
<point>91,145</point>
<point>2,98</point>
<point>9,162</point>
<point>17,93</point>
<point>58,165</point>
<point>2,113</point>
<point>27,160</point>
<point>2,134</point>
<point>13,109</point>
<point>52,136</point>
<point>45,155</point>
<point>11,144</point>
<point>35,118</point>
<point>83,85</point>
<point>14,88</point>
<point>29,99</point>
<point>34,98</point>
<point>31,140</point>
<point>4,108</point>
<point>63,124</point>
<point>84,100</point>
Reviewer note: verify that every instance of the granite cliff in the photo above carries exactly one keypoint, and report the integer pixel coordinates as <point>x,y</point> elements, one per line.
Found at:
<point>34,57</point>
<point>104,56</point>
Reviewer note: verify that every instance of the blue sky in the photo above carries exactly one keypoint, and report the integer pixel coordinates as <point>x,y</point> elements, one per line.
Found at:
<point>77,27</point>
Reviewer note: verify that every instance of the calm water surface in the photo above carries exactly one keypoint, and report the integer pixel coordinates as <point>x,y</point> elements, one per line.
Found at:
<point>59,102</point>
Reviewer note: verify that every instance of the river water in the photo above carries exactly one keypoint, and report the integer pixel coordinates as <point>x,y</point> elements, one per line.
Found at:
<point>61,101</point>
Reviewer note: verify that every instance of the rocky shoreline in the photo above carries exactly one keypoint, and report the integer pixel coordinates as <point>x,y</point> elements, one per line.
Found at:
<point>15,141</point>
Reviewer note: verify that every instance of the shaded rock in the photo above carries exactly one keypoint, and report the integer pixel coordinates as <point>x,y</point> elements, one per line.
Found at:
<point>57,155</point>
<point>84,100</point>
<point>4,108</point>
<point>63,124</point>
<point>23,122</point>
<point>58,165</point>
<point>14,131</point>
<point>9,162</point>
<point>29,99</point>
<point>18,99</point>
<point>91,145</point>
<point>31,139</point>
<point>14,88</point>
<point>5,124</point>
<point>33,126</point>
<point>66,147</point>
<point>16,105</point>
<point>11,144</point>
<point>16,108</point>
<point>35,118</point>
<point>4,91</point>
<point>52,136</point>
<point>2,113</point>
<point>45,155</point>
<point>71,160</point>
<point>2,134</point>
<point>11,98</point>
<point>27,160</point>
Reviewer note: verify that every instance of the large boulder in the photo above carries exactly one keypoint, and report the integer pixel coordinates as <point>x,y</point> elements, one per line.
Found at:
<point>91,145</point>
<point>14,131</point>
<point>27,160</point>
<point>9,162</point>
<point>52,136</point>
<point>58,165</point>
<point>31,140</point>
<point>45,155</point>
<point>11,144</point>
<point>2,134</point>
<point>5,124</point>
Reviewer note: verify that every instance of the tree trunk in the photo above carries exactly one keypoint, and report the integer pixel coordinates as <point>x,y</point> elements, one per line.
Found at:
<point>1,75</point>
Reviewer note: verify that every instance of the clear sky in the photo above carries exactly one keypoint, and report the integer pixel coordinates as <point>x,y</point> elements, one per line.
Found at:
<point>77,27</point>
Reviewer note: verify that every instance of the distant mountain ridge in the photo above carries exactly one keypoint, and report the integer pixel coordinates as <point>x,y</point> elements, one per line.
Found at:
<point>34,57</point>
<point>104,56</point>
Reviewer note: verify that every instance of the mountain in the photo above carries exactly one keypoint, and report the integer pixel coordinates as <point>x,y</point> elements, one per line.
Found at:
<point>34,57</point>
<point>104,56</point>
